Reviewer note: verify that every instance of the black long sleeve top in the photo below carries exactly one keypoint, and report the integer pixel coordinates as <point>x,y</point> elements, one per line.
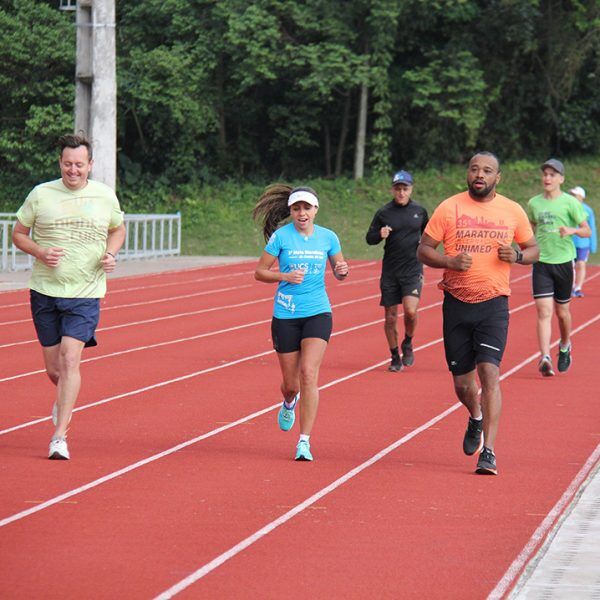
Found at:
<point>400,250</point>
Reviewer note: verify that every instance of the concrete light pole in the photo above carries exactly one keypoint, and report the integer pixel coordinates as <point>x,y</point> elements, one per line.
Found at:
<point>96,83</point>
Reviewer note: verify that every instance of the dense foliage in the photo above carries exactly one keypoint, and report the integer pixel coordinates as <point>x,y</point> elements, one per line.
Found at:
<point>272,89</point>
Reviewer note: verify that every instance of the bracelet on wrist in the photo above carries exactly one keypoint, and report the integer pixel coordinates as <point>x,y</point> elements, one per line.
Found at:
<point>107,252</point>
<point>519,258</point>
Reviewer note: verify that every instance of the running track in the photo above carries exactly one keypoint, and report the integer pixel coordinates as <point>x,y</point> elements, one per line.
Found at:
<point>181,484</point>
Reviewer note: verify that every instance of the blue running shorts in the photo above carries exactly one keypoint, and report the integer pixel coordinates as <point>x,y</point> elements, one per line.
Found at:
<point>55,317</point>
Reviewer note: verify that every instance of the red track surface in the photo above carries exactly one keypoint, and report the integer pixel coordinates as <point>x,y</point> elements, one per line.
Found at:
<point>185,368</point>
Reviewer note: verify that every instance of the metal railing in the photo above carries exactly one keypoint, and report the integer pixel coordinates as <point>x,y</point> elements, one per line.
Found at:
<point>148,236</point>
<point>151,236</point>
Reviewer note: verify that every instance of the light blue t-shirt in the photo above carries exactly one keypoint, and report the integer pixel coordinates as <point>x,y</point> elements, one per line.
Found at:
<point>310,253</point>
<point>591,242</point>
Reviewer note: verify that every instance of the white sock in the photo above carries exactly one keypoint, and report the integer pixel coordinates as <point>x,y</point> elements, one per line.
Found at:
<point>479,418</point>
<point>304,437</point>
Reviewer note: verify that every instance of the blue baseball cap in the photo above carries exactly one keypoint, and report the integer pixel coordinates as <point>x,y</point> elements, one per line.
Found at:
<point>402,177</point>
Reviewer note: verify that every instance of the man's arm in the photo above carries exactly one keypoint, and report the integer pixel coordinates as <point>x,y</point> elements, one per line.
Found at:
<point>114,241</point>
<point>529,253</point>
<point>582,230</point>
<point>428,255</point>
<point>374,236</point>
<point>21,239</point>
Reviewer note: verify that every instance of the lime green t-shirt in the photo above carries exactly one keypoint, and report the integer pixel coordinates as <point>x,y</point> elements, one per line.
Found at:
<point>549,215</point>
<point>77,221</point>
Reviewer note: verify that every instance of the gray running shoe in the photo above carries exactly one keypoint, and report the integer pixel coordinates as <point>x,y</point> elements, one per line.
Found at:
<point>486,465</point>
<point>564,360</point>
<point>395,365</point>
<point>473,440</point>
<point>408,356</point>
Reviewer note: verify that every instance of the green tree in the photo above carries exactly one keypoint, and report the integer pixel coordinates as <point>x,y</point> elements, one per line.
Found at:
<point>36,92</point>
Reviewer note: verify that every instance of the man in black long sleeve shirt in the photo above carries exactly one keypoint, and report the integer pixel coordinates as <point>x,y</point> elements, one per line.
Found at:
<point>400,223</point>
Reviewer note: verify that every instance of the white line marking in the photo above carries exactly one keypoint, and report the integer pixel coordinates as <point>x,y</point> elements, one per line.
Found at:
<point>189,376</point>
<point>194,337</point>
<point>540,533</point>
<point>257,535</point>
<point>163,318</point>
<point>150,459</point>
<point>156,301</point>
<point>219,560</point>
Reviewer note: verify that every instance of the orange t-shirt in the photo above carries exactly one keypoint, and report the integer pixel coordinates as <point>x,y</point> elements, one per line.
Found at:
<point>478,228</point>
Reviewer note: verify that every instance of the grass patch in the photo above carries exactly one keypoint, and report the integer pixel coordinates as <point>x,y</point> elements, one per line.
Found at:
<point>217,220</point>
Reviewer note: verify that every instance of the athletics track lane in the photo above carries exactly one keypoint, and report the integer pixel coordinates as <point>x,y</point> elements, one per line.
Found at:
<point>362,426</point>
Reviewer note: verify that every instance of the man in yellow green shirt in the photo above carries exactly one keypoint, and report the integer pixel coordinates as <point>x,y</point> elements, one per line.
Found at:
<point>76,227</point>
<point>556,216</point>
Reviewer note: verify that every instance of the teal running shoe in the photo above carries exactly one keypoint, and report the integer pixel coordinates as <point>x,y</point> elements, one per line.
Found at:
<point>287,416</point>
<point>303,451</point>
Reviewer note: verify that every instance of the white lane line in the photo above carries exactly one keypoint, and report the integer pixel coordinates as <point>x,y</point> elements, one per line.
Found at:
<point>150,459</point>
<point>222,558</point>
<point>156,301</point>
<point>211,369</point>
<point>257,535</point>
<point>204,310</point>
<point>194,337</point>
<point>176,298</point>
<point>163,318</point>
<point>189,376</point>
<point>173,283</point>
<point>542,531</point>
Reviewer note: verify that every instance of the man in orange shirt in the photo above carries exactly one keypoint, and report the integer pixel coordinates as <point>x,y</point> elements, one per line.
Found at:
<point>477,228</point>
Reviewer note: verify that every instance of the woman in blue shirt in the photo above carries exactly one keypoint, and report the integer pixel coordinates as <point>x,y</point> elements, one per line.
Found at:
<point>302,322</point>
<point>583,246</point>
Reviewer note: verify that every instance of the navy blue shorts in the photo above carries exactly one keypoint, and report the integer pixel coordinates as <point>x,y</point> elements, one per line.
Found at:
<point>582,254</point>
<point>73,317</point>
<point>288,334</point>
<point>474,333</point>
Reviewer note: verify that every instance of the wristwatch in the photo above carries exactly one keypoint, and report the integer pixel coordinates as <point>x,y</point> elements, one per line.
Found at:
<point>519,258</point>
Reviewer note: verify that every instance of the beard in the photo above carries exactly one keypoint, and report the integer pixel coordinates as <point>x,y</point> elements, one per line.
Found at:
<point>482,192</point>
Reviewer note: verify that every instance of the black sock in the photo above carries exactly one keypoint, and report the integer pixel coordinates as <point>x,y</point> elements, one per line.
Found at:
<point>395,353</point>
<point>407,340</point>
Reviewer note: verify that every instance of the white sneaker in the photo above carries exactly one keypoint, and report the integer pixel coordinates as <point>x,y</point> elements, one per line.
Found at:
<point>55,414</point>
<point>59,450</point>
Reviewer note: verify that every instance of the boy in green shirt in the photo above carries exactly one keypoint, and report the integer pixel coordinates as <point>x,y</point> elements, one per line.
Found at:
<point>556,216</point>
<point>76,229</point>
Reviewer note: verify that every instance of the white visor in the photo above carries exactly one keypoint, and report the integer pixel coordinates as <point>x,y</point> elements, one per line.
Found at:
<point>578,190</point>
<point>303,196</point>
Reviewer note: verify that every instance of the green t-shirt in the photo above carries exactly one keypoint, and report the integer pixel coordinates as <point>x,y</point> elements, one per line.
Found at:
<point>548,215</point>
<point>77,221</point>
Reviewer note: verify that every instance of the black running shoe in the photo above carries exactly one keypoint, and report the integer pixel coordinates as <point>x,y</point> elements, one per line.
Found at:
<point>564,360</point>
<point>486,465</point>
<point>545,367</point>
<point>408,356</point>
<point>473,440</point>
<point>395,365</point>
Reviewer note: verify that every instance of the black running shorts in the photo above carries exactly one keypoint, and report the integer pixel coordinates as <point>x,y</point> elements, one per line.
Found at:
<point>474,333</point>
<point>288,334</point>
<point>553,281</point>
<point>394,288</point>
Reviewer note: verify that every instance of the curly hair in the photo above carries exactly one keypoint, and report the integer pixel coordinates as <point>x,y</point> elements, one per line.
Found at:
<point>272,208</point>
